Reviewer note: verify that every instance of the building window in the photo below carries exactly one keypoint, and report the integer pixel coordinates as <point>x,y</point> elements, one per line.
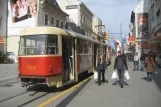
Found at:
<point>0,22</point>
<point>62,24</point>
<point>81,18</point>
<point>158,16</point>
<point>57,23</point>
<point>84,19</point>
<point>0,2</point>
<point>52,21</point>
<point>46,19</point>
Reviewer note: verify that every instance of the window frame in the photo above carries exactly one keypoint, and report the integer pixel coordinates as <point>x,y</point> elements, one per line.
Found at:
<point>52,20</point>
<point>62,24</point>
<point>46,19</point>
<point>0,22</point>
<point>46,45</point>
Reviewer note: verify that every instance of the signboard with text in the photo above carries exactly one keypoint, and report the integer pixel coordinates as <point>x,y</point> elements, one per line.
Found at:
<point>142,25</point>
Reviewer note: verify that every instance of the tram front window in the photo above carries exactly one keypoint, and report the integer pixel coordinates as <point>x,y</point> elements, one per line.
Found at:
<point>38,45</point>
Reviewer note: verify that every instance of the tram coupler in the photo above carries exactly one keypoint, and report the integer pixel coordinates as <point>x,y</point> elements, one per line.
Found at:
<point>26,84</point>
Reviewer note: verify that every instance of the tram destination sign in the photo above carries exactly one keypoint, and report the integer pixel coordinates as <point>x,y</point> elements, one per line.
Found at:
<point>72,7</point>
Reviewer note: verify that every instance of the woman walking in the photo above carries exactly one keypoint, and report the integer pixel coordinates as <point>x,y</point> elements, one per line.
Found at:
<point>150,66</point>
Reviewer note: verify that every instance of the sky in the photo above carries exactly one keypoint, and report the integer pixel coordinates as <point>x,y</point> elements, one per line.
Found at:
<point>112,13</point>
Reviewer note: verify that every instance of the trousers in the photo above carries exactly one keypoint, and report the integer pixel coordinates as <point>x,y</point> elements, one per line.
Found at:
<point>121,77</point>
<point>101,72</point>
<point>136,65</point>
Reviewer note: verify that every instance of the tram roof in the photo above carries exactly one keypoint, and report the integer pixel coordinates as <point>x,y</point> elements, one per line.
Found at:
<point>46,30</point>
<point>56,31</point>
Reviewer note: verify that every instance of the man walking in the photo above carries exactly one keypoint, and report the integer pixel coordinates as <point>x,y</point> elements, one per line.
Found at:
<point>120,64</point>
<point>136,62</point>
<point>101,66</point>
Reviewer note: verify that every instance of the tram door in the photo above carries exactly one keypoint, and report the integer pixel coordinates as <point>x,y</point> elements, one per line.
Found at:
<point>95,55</point>
<point>68,59</point>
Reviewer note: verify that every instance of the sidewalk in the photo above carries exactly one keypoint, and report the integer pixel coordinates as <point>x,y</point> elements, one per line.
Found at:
<point>139,93</point>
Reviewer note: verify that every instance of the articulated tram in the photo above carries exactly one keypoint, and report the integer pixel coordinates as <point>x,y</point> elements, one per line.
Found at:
<point>56,56</point>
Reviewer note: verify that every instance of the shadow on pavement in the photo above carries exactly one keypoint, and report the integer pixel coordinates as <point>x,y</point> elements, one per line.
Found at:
<point>157,77</point>
<point>44,88</point>
<point>69,98</point>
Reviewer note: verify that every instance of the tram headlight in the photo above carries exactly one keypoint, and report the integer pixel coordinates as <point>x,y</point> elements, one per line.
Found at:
<point>50,69</point>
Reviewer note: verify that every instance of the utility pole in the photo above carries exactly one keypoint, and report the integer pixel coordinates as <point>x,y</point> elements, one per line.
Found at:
<point>122,45</point>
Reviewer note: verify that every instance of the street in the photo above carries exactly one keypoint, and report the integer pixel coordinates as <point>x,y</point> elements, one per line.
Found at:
<point>138,92</point>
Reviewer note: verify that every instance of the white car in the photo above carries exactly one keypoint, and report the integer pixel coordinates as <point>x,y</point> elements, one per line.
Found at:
<point>158,60</point>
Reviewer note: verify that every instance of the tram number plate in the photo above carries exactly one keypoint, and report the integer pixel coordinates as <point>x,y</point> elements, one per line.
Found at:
<point>30,67</point>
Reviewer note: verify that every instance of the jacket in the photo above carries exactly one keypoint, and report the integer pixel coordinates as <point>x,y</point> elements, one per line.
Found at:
<point>149,64</point>
<point>120,66</point>
<point>102,66</point>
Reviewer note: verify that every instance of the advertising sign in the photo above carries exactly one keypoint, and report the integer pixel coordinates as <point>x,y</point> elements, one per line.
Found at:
<point>21,14</point>
<point>144,45</point>
<point>142,25</point>
<point>72,7</point>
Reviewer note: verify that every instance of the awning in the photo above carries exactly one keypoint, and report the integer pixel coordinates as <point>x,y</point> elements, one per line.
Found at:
<point>1,40</point>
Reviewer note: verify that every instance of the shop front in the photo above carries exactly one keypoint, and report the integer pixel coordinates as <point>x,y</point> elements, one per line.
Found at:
<point>2,44</point>
<point>156,43</point>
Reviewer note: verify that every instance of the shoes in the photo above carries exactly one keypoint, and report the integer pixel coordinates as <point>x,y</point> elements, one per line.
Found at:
<point>99,84</point>
<point>122,86</point>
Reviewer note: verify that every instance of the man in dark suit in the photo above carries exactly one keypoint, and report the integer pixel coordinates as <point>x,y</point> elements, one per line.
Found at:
<point>120,64</point>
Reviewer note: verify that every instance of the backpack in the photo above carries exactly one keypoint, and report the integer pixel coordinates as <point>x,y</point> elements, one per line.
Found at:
<point>120,63</point>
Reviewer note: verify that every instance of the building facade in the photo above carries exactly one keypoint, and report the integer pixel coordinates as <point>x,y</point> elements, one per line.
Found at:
<point>139,27</point>
<point>97,27</point>
<point>80,17</point>
<point>41,13</point>
<point>155,24</point>
<point>3,27</point>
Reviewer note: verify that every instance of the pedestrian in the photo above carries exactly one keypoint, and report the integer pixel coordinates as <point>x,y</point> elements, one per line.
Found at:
<point>120,64</point>
<point>136,62</point>
<point>150,66</point>
<point>101,67</point>
<point>154,56</point>
<point>142,60</point>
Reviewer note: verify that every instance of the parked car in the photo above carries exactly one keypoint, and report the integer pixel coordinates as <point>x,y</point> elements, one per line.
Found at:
<point>158,60</point>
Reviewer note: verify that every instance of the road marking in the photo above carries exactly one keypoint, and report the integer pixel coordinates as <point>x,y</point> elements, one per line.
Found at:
<point>64,92</point>
<point>7,77</point>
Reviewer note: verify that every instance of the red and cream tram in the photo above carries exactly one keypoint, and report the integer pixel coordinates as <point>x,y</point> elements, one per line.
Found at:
<point>56,56</point>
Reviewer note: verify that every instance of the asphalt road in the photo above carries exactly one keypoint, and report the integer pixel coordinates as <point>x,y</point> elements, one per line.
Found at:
<point>8,71</point>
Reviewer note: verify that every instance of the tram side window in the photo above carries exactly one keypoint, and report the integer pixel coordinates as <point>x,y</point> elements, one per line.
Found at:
<point>79,46</point>
<point>90,48</point>
<point>104,49</point>
<point>86,47</point>
<point>52,44</point>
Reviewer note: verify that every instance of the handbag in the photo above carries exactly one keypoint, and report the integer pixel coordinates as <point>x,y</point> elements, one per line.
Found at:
<point>114,75</point>
<point>95,75</point>
<point>126,74</point>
